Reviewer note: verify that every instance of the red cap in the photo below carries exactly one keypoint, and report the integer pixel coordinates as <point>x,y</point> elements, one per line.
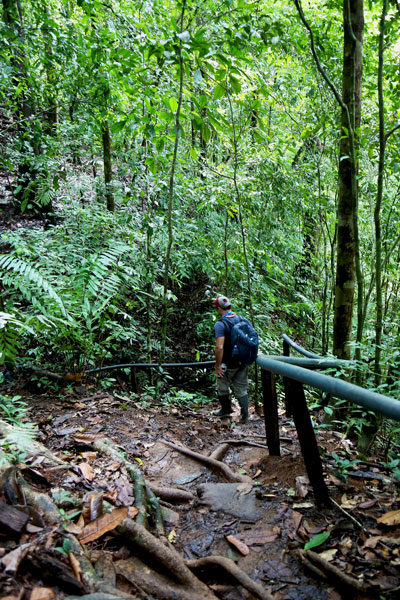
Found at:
<point>222,302</point>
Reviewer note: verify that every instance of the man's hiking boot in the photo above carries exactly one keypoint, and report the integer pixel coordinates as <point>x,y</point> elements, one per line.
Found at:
<point>226,408</point>
<point>244,409</point>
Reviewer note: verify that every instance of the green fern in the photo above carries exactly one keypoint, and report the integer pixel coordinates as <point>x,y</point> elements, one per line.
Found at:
<point>44,192</point>
<point>10,328</point>
<point>18,441</point>
<point>21,275</point>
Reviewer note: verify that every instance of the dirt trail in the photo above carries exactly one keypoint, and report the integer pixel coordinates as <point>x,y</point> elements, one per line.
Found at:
<point>269,522</point>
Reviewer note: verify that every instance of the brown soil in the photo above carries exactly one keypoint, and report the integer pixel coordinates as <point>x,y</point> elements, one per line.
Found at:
<point>289,515</point>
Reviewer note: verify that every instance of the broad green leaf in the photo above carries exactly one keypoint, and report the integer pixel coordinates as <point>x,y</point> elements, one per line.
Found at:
<point>205,133</point>
<point>173,104</point>
<point>219,91</point>
<point>198,76</point>
<point>193,153</point>
<point>202,101</point>
<point>118,126</point>
<point>317,540</point>
<point>235,83</point>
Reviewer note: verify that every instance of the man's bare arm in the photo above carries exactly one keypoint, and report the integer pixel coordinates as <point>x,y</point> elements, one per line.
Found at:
<point>219,352</point>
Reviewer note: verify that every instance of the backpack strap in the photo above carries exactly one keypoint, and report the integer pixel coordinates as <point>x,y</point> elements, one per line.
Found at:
<point>228,323</point>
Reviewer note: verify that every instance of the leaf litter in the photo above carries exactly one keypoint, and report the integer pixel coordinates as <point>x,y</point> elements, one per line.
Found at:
<point>295,550</point>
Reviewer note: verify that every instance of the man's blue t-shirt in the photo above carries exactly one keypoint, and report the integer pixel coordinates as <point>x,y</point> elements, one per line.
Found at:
<point>222,330</point>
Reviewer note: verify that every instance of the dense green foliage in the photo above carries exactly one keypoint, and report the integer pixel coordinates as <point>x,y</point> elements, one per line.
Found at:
<point>224,141</point>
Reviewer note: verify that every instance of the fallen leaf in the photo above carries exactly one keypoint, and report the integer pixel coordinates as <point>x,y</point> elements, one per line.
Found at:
<point>278,570</point>
<point>87,471</point>
<point>302,483</point>
<point>12,560</point>
<point>132,512</point>
<point>89,455</point>
<point>76,567</point>
<point>125,491</point>
<point>172,536</point>
<point>244,488</point>
<point>241,546</point>
<point>42,593</point>
<point>95,420</point>
<point>66,431</point>
<point>260,538</point>
<point>373,541</point>
<point>294,523</point>
<point>390,518</point>
<point>328,555</point>
<point>100,526</point>
<point>346,502</point>
<point>87,438</point>
<point>257,473</point>
<point>368,504</point>
<point>92,507</point>
<point>114,466</point>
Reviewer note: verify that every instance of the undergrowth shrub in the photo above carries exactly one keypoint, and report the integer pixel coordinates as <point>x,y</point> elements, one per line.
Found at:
<point>15,440</point>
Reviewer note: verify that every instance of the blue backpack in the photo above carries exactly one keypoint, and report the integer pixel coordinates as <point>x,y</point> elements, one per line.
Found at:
<point>244,340</point>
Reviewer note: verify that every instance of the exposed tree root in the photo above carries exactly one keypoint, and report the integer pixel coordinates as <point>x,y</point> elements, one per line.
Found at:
<point>220,451</point>
<point>158,518</point>
<point>333,573</point>
<point>171,494</point>
<point>42,503</point>
<point>90,578</point>
<point>101,596</point>
<point>204,564</point>
<point>245,443</point>
<point>152,582</point>
<point>166,559</point>
<point>141,498</point>
<point>219,468</point>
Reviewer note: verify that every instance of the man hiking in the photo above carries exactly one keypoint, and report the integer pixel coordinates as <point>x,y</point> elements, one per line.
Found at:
<point>228,368</point>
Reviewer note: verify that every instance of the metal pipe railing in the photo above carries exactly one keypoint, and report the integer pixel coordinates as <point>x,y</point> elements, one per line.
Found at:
<point>336,387</point>
<point>298,348</point>
<point>294,376</point>
<point>310,363</point>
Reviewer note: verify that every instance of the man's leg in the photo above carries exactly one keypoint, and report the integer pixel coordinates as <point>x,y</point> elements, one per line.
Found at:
<point>240,383</point>
<point>224,398</point>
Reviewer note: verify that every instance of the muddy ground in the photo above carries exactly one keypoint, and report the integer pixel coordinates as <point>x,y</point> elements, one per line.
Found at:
<point>269,522</point>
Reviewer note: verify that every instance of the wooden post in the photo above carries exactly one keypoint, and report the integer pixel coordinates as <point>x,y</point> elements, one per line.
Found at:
<point>286,384</point>
<point>270,402</point>
<point>308,443</point>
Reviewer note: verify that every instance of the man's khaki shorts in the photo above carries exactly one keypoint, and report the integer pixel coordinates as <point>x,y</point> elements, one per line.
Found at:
<point>237,379</point>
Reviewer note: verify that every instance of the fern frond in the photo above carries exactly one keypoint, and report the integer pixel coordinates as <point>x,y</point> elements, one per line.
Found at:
<point>28,275</point>
<point>5,459</point>
<point>19,437</point>
<point>44,192</point>
<point>102,281</point>
<point>10,328</point>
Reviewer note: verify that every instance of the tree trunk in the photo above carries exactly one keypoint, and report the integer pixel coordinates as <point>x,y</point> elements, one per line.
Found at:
<point>106,140</point>
<point>347,234</point>
<point>378,203</point>
<point>171,195</point>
